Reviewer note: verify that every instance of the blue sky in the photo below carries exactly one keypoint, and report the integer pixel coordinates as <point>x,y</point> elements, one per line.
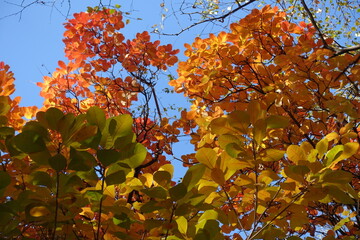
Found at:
<point>31,43</point>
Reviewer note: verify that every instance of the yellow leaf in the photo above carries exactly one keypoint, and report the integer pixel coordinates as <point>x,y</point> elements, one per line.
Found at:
<point>135,184</point>
<point>243,180</point>
<point>264,195</point>
<point>182,224</point>
<point>206,156</point>
<point>259,131</point>
<point>260,209</point>
<point>167,168</point>
<point>147,179</point>
<point>295,153</point>
<point>39,211</point>
<point>322,147</point>
<point>332,136</point>
<point>349,149</point>
<point>273,155</point>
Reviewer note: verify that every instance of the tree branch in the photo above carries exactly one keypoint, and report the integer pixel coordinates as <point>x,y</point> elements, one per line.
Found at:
<point>222,17</point>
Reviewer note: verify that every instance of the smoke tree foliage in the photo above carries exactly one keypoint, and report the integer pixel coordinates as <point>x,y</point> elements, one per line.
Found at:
<point>274,120</point>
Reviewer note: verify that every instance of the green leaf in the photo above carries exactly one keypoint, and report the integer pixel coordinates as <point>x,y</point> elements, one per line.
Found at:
<point>4,105</point>
<point>336,176</point>
<point>81,160</point>
<point>7,131</point>
<point>341,223</point>
<point>36,127</point>
<point>208,229</point>
<point>138,156</point>
<point>41,158</point>
<point>333,154</point>
<point>29,142</point>
<point>115,178</point>
<point>58,162</point>
<point>234,150</point>
<point>90,175</point>
<point>84,133</point>
<point>53,116</point>
<point>193,175</point>
<point>322,147</point>
<point>151,206</point>
<point>108,156</point>
<point>275,121</point>
<point>5,179</point>
<point>96,116</point>
<point>120,126</point>
<point>163,178</point>
<point>94,195</point>
<point>122,220</point>
<point>155,192</point>
<point>3,120</point>
<point>339,195</point>
<point>206,156</point>
<point>178,191</point>
<point>41,179</point>
<point>153,223</point>
<point>122,143</point>
<point>297,172</point>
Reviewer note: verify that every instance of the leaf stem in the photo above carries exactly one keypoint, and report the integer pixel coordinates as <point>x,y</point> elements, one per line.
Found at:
<point>170,220</point>
<point>100,204</point>
<point>56,204</point>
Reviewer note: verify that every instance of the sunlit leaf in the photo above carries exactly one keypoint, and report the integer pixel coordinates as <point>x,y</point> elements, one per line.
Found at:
<point>182,224</point>
<point>295,153</point>
<point>273,155</point>
<point>206,156</point>
<point>39,211</point>
<point>259,131</point>
<point>193,175</point>
<point>96,116</point>
<point>138,156</point>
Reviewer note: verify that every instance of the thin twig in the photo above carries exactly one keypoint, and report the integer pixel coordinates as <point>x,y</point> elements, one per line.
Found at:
<point>278,214</point>
<point>222,17</point>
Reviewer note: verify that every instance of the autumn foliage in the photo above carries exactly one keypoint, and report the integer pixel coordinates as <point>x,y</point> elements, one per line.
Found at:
<point>274,122</point>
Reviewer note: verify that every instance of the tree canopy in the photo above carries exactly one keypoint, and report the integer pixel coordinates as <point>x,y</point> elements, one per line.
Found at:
<point>274,122</point>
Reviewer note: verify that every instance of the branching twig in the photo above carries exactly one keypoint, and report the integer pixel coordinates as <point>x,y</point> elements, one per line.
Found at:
<point>222,17</point>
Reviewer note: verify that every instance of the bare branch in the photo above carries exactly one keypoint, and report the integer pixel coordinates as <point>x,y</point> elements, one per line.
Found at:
<point>222,17</point>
